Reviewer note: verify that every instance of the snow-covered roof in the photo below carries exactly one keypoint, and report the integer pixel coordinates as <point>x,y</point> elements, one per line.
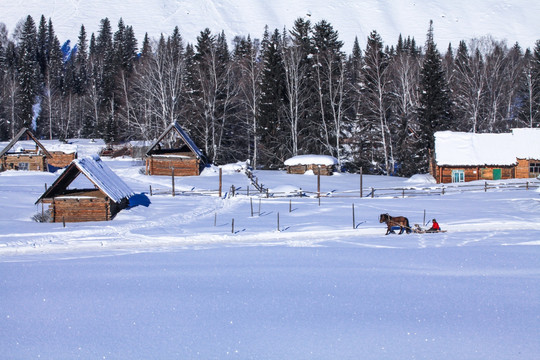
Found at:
<point>311,159</point>
<point>20,147</point>
<point>183,135</point>
<point>104,178</point>
<point>471,149</point>
<point>98,173</point>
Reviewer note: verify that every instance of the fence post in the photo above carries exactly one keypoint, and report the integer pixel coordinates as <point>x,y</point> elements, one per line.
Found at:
<point>251,204</point>
<point>220,180</point>
<point>372,192</point>
<point>232,226</point>
<point>485,186</point>
<point>361,181</point>
<point>319,183</point>
<point>526,185</point>
<point>403,192</point>
<point>215,219</point>
<point>278,221</point>
<point>248,190</point>
<point>353,220</point>
<point>172,179</point>
<point>290,205</point>
<point>150,190</point>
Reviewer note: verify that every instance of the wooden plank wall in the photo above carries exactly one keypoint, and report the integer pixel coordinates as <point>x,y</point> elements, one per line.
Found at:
<point>61,159</point>
<point>164,166</point>
<point>443,174</point>
<point>79,210</point>
<point>35,162</point>
<point>301,169</point>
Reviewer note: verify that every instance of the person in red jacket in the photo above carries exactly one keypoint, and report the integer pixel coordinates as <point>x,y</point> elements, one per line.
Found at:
<point>434,226</point>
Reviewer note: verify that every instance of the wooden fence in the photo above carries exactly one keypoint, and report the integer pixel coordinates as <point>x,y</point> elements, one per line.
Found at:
<point>366,192</point>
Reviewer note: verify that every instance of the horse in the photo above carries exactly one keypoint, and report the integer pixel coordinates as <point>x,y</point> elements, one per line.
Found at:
<point>400,221</point>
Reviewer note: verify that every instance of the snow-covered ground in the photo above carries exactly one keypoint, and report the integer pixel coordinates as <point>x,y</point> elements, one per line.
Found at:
<point>167,278</point>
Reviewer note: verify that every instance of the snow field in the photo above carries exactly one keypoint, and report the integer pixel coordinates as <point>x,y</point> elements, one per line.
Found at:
<point>161,281</point>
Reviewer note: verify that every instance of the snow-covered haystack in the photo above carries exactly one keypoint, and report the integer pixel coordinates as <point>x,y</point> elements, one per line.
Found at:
<point>422,179</point>
<point>311,159</point>
<point>311,164</point>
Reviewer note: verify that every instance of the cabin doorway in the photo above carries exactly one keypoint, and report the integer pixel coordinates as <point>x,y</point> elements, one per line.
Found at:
<point>497,174</point>
<point>458,176</point>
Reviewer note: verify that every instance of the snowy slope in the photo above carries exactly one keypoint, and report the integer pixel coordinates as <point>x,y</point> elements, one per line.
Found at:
<point>453,20</point>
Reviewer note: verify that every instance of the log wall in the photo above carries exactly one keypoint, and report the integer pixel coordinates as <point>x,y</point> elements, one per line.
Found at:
<point>443,174</point>
<point>74,209</point>
<point>35,162</point>
<point>163,165</point>
<point>301,169</point>
<point>61,159</point>
<point>523,168</point>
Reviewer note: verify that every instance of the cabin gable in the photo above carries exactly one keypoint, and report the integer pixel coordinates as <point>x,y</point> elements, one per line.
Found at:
<point>174,153</point>
<point>101,202</point>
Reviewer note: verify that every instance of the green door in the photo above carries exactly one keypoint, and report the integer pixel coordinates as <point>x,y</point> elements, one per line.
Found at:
<point>497,174</point>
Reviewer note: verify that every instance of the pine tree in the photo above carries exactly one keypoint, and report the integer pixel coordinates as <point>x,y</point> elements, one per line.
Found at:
<point>330,79</point>
<point>435,112</point>
<point>272,145</point>
<point>28,73</point>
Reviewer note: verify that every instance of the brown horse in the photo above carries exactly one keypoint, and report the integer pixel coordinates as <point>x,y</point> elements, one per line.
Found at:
<point>391,221</point>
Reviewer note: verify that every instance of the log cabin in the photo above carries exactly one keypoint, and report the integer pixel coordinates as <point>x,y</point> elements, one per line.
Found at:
<point>318,164</point>
<point>174,152</point>
<point>26,152</point>
<point>14,157</point>
<point>101,201</point>
<point>463,157</point>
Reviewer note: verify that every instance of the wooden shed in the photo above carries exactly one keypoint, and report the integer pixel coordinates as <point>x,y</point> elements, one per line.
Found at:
<point>18,158</point>
<point>101,201</point>
<point>318,164</point>
<point>174,151</point>
<point>462,157</point>
<point>26,152</point>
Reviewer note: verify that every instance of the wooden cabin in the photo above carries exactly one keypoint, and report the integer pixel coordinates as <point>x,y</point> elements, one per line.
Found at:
<point>14,157</point>
<point>318,164</point>
<point>174,152</point>
<point>462,157</point>
<point>19,155</point>
<point>101,201</point>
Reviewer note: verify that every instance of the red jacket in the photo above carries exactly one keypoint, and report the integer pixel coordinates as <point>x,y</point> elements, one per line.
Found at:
<point>435,226</point>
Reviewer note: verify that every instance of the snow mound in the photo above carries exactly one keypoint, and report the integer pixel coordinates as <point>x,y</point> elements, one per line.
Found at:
<point>311,159</point>
<point>235,167</point>
<point>286,189</point>
<point>422,179</point>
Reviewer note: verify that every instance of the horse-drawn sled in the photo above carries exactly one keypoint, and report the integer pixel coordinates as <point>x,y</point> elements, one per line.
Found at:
<point>401,223</point>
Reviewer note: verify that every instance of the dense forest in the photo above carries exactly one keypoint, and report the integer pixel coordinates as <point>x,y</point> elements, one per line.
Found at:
<point>294,91</point>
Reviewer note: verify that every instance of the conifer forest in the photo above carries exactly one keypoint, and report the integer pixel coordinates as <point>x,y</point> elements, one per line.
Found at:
<point>293,91</point>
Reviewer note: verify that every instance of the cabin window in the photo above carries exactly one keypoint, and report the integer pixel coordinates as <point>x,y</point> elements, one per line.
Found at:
<point>23,166</point>
<point>534,168</point>
<point>458,176</point>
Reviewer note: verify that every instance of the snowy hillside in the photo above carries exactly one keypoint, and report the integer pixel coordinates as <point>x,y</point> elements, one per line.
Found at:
<point>453,20</point>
